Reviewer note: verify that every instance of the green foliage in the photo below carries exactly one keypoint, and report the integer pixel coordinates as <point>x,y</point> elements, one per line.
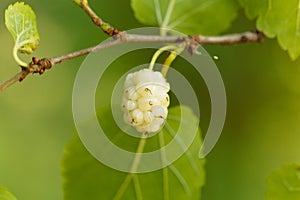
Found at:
<point>253,8</point>
<point>187,16</point>
<point>6,195</point>
<point>87,178</point>
<point>284,184</point>
<point>277,18</point>
<point>20,20</point>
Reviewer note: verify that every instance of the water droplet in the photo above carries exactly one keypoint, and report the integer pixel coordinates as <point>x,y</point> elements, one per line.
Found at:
<point>216,57</point>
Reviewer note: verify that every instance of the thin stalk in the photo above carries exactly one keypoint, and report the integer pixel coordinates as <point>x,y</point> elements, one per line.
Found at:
<point>169,60</point>
<point>158,53</point>
<point>17,59</point>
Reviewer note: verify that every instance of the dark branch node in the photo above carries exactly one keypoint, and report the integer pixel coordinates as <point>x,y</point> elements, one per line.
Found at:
<point>35,66</point>
<point>192,42</point>
<point>25,72</point>
<point>244,38</point>
<point>45,63</point>
<point>260,36</point>
<point>112,32</point>
<point>96,21</point>
<point>181,39</point>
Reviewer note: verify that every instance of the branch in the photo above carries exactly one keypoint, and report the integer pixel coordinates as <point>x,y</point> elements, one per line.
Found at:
<point>232,39</point>
<point>83,52</point>
<point>106,28</point>
<point>11,81</point>
<point>39,66</point>
<point>191,43</point>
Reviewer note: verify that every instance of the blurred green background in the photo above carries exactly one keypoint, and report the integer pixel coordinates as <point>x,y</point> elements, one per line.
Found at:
<point>262,129</point>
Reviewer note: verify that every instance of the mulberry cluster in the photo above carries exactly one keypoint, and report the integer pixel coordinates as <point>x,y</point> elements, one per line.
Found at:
<point>145,101</point>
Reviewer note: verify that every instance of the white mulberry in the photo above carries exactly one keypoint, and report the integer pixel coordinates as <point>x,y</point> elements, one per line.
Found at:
<point>146,100</point>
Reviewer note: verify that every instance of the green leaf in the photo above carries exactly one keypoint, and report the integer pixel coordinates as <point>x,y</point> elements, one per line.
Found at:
<point>20,20</point>
<point>187,16</point>
<point>277,18</point>
<point>254,7</point>
<point>284,183</point>
<point>6,195</point>
<point>87,178</point>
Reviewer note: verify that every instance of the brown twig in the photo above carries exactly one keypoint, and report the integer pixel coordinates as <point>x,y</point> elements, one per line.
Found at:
<point>106,28</point>
<point>11,81</point>
<point>39,66</point>
<point>231,39</point>
<point>83,52</point>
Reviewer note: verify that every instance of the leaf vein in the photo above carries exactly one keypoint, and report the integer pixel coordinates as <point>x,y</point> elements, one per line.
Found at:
<point>137,187</point>
<point>183,147</point>
<point>158,12</point>
<point>182,18</point>
<point>164,170</point>
<point>168,13</point>
<point>181,179</point>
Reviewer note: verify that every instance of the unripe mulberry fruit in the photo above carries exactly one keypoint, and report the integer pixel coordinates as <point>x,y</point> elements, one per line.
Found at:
<point>145,100</point>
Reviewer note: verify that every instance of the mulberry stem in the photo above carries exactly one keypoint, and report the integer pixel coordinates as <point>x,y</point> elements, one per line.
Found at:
<point>159,52</point>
